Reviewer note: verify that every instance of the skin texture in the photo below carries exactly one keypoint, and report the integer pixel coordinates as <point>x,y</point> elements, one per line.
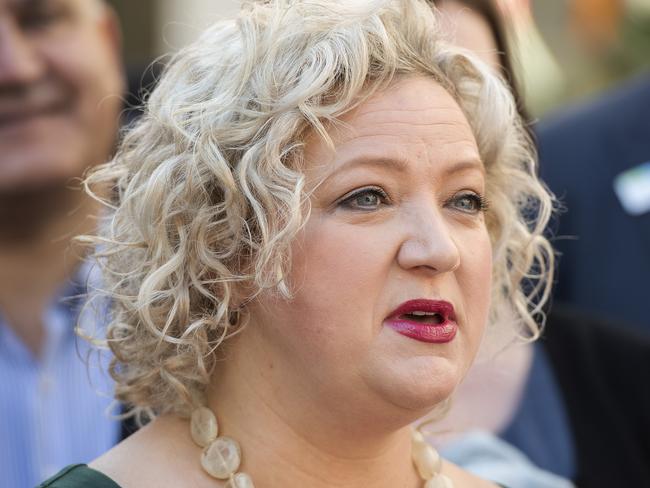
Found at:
<point>318,390</point>
<point>60,97</point>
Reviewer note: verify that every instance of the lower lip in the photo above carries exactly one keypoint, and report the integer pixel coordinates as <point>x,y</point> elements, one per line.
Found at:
<point>436,334</point>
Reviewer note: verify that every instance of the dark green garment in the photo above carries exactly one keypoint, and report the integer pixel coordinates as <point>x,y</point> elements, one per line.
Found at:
<point>79,476</point>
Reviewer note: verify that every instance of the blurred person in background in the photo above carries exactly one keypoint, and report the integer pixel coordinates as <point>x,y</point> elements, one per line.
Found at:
<point>60,98</point>
<point>551,400</point>
<point>596,156</point>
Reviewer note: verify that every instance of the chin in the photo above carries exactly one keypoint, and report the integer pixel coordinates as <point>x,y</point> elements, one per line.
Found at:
<point>41,168</point>
<point>418,384</point>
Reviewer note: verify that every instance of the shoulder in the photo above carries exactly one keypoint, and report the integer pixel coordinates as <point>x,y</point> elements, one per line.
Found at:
<point>599,363</point>
<point>161,454</point>
<point>600,137</point>
<point>79,476</point>
<point>628,103</point>
<point>578,330</point>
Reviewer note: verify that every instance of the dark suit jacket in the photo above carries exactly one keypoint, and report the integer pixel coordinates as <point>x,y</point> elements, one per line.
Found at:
<point>604,377</point>
<point>585,412</point>
<point>586,409</point>
<point>605,265</point>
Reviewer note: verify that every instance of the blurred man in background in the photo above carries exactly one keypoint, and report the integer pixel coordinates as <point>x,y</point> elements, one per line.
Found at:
<point>60,87</point>
<point>596,157</point>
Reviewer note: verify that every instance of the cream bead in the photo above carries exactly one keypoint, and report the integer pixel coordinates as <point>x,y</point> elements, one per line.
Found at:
<point>203,426</point>
<point>426,459</point>
<point>240,480</point>
<point>416,436</point>
<point>221,458</point>
<point>439,481</point>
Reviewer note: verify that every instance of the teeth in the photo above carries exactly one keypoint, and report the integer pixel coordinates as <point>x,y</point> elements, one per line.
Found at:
<point>422,314</point>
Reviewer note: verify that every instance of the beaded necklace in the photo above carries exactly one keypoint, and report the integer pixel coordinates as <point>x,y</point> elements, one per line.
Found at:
<point>221,455</point>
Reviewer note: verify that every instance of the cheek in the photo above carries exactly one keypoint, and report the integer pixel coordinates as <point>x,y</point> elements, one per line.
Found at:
<point>86,63</point>
<point>338,270</point>
<point>336,277</point>
<point>476,286</point>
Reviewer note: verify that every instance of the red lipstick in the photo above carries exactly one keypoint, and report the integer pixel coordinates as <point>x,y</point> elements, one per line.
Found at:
<point>424,320</point>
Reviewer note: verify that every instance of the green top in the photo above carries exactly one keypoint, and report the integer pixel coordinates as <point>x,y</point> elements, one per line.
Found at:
<point>79,476</point>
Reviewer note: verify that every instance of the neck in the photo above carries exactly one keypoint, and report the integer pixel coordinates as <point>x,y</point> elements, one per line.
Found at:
<point>294,439</point>
<point>37,257</point>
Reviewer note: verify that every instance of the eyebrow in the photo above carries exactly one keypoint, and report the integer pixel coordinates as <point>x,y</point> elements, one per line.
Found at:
<point>26,4</point>
<point>398,165</point>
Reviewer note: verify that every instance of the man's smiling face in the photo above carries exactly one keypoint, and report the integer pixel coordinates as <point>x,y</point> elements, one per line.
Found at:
<point>60,87</point>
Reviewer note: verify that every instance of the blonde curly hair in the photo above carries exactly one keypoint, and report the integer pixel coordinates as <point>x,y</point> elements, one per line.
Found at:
<point>208,193</point>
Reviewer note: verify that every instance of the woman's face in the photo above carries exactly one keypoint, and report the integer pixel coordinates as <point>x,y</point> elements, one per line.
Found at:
<point>396,221</point>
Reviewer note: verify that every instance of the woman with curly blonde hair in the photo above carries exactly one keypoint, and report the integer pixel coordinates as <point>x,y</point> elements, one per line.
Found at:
<point>321,216</point>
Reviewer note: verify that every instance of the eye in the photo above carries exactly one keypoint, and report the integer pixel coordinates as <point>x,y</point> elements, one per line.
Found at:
<point>469,202</point>
<point>42,17</point>
<point>370,198</point>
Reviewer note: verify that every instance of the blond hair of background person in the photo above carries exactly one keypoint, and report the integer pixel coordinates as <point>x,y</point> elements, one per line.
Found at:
<point>60,87</point>
<point>300,242</point>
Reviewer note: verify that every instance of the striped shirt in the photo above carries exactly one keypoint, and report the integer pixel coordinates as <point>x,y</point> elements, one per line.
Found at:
<point>54,408</point>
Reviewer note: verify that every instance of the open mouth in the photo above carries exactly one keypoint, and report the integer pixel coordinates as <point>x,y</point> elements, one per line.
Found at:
<point>16,117</point>
<point>41,100</point>
<point>424,318</point>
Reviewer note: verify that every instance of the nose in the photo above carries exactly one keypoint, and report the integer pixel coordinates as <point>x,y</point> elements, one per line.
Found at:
<point>428,242</point>
<point>19,61</point>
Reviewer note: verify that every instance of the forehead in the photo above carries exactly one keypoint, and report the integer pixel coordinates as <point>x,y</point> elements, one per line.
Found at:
<point>414,112</point>
<point>413,121</point>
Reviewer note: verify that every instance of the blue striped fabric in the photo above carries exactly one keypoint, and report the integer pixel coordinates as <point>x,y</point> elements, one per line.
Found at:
<point>53,409</point>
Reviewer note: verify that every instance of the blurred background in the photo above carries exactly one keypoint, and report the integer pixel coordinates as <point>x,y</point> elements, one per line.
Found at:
<point>567,49</point>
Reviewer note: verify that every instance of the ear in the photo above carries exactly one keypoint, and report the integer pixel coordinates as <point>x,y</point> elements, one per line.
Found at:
<point>112,31</point>
<point>106,24</point>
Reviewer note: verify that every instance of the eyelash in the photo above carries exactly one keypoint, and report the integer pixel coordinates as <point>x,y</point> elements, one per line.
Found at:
<point>480,202</point>
<point>346,201</point>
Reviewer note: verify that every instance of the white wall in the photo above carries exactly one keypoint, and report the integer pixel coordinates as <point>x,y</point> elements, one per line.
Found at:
<point>180,21</point>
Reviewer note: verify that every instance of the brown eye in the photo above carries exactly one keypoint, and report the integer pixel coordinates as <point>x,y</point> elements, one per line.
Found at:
<point>365,199</point>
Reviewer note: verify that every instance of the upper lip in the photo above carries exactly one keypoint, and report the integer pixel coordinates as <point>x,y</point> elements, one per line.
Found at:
<point>441,307</point>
